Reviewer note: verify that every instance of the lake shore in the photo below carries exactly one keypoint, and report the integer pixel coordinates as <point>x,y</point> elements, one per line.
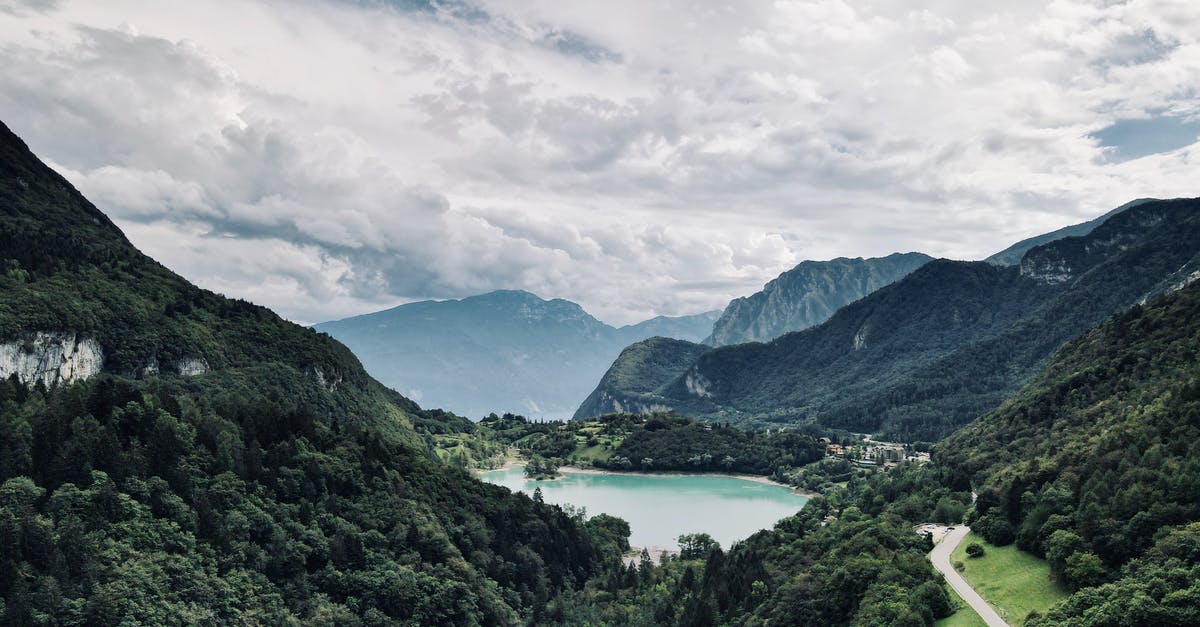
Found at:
<point>577,470</point>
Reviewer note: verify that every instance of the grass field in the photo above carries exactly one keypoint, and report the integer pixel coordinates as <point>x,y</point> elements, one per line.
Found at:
<point>964,617</point>
<point>1012,581</point>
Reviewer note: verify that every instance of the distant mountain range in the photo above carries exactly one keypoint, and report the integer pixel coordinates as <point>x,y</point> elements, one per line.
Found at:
<point>504,351</point>
<point>920,357</point>
<point>808,295</point>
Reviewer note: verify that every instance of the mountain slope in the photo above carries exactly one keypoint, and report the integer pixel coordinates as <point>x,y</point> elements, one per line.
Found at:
<point>922,356</point>
<point>808,295</point>
<point>204,461</point>
<point>505,351</point>
<point>1094,460</point>
<point>639,373</point>
<point>1012,255</point>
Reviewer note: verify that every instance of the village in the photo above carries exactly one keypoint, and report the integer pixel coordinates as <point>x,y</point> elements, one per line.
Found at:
<point>868,452</point>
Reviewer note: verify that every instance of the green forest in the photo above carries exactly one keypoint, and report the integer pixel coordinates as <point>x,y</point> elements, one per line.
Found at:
<point>284,486</point>
<point>653,442</point>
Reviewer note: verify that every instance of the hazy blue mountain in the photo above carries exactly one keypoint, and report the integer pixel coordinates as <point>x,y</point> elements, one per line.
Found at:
<point>691,328</point>
<point>808,295</point>
<point>925,355</point>
<point>1011,256</point>
<point>504,351</point>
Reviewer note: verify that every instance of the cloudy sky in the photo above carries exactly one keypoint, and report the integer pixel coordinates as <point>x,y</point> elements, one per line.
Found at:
<point>328,157</point>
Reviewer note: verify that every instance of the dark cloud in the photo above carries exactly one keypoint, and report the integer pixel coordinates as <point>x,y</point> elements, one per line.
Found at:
<point>331,157</point>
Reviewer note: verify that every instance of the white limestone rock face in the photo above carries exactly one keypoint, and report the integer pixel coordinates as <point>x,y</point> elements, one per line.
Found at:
<point>192,366</point>
<point>697,384</point>
<point>51,358</point>
<point>609,404</point>
<point>329,381</point>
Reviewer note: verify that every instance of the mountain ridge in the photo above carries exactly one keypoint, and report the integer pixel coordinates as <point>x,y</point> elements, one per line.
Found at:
<point>1012,255</point>
<point>921,356</point>
<point>502,351</point>
<point>808,295</point>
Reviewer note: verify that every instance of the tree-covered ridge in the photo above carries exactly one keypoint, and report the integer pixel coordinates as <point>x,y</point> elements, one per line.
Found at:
<point>919,358</point>
<point>65,267</point>
<point>653,442</point>
<point>635,381</point>
<point>282,486</point>
<point>1012,255</point>
<point>1099,456</point>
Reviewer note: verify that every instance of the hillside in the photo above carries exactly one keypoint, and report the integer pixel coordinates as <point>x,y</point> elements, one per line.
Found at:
<point>925,355</point>
<point>638,373</point>
<point>170,456</point>
<point>1012,255</point>
<point>1092,466</point>
<point>808,295</point>
<point>505,351</point>
<point>1095,460</point>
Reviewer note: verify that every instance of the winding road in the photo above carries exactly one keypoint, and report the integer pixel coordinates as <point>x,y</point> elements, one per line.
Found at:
<point>940,556</point>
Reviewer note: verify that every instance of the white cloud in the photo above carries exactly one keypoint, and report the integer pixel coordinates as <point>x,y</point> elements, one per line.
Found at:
<point>326,158</point>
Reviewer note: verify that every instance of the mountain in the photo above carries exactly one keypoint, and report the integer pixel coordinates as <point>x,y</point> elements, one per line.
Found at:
<point>808,295</point>
<point>504,351</point>
<point>170,456</point>
<point>638,372</point>
<point>691,328</point>
<point>1094,466</point>
<point>921,357</point>
<point>1011,256</point>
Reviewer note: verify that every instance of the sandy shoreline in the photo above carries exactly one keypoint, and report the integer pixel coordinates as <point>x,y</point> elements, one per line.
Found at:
<point>576,470</point>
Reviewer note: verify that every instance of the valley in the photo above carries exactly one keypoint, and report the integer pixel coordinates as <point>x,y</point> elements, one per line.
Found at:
<point>172,456</point>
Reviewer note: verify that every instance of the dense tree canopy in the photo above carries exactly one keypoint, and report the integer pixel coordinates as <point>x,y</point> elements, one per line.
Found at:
<point>281,486</point>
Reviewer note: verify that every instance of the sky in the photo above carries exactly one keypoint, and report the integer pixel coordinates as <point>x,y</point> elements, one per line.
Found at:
<point>332,157</point>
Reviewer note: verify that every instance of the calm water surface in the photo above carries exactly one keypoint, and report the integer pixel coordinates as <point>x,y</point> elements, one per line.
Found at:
<point>661,507</point>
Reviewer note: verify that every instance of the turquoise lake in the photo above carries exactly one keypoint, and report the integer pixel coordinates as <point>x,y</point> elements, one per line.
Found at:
<point>661,507</point>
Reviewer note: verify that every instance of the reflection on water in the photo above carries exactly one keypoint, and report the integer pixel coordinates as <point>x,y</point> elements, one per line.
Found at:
<point>661,507</point>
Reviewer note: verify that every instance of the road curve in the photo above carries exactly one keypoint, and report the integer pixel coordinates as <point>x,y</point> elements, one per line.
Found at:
<point>940,556</point>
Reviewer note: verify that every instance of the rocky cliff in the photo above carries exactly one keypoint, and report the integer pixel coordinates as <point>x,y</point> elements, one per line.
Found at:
<point>51,358</point>
<point>808,295</point>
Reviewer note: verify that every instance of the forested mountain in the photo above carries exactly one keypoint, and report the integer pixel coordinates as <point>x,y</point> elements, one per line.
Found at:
<point>1093,465</point>
<point>925,355</point>
<point>170,456</point>
<point>501,351</point>
<point>1096,465</point>
<point>808,295</point>
<point>638,373</point>
<point>1011,256</point>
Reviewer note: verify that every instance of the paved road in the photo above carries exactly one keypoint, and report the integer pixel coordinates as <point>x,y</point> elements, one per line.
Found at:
<point>940,556</point>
